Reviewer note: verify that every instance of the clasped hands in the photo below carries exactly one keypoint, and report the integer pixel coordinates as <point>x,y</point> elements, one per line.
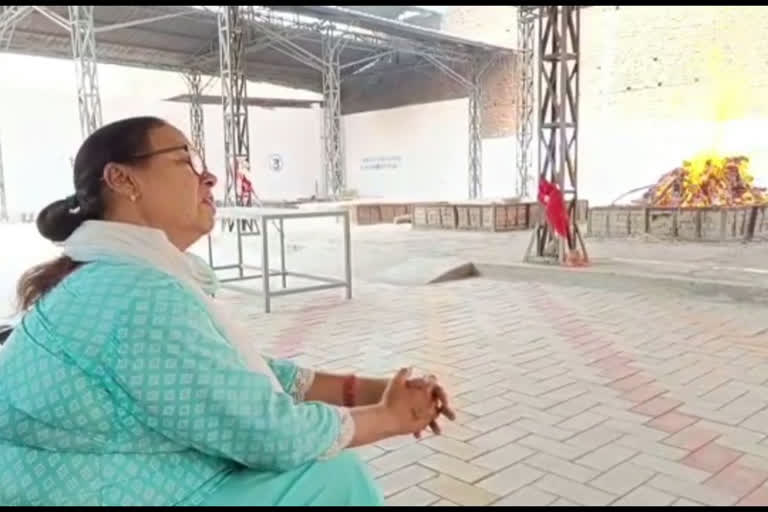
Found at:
<point>416,403</point>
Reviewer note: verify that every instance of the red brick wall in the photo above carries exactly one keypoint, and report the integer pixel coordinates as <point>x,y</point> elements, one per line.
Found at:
<point>499,84</point>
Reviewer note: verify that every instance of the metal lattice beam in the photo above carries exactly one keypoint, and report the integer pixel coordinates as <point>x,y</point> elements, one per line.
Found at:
<point>558,106</point>
<point>232,42</point>
<point>478,65</point>
<point>475,137</point>
<point>196,117</point>
<point>333,154</point>
<point>84,53</point>
<point>525,104</point>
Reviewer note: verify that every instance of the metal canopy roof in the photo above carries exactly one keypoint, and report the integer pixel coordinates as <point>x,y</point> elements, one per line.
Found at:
<point>179,38</point>
<point>269,103</point>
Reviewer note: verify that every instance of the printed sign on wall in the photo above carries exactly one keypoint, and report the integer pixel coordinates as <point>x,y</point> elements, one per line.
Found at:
<point>381,163</point>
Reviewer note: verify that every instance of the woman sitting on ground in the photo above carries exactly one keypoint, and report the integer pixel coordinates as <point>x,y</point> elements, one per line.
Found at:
<point>126,384</point>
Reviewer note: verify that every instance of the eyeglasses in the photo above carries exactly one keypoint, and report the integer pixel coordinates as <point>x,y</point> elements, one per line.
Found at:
<point>196,161</point>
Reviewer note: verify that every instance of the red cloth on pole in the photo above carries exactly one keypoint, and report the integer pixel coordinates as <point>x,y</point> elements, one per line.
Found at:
<point>554,206</point>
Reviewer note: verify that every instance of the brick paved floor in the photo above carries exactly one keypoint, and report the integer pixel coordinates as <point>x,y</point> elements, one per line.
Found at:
<point>565,395</point>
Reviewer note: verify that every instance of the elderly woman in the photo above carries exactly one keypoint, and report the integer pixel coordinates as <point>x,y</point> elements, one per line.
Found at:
<point>125,383</point>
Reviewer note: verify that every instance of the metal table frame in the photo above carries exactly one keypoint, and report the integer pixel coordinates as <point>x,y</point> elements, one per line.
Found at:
<point>277,218</point>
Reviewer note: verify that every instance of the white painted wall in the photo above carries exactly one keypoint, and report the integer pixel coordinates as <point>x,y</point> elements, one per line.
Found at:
<point>40,131</point>
<point>432,142</point>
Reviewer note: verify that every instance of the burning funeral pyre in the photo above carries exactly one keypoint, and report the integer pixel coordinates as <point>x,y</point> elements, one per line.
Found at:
<point>707,181</point>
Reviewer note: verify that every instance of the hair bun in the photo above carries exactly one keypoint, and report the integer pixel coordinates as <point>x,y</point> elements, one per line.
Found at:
<point>59,219</point>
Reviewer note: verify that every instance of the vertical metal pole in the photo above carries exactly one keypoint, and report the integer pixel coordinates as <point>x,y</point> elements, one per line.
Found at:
<point>525,41</point>
<point>347,255</point>
<point>196,115</point>
<point>475,137</point>
<point>558,104</point>
<point>232,50</point>
<point>239,233</point>
<point>84,54</point>
<point>265,274</point>
<point>333,154</point>
<point>210,250</point>
<point>282,251</point>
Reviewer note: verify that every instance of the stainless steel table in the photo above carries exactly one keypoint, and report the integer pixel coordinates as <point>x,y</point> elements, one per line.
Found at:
<point>277,217</point>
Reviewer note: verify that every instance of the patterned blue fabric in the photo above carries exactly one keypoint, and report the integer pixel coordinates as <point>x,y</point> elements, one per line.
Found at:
<point>117,390</point>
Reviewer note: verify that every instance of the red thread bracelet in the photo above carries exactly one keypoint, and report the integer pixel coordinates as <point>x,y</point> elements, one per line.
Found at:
<point>348,391</point>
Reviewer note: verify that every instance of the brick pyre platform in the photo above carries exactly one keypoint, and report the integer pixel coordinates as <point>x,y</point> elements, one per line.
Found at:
<point>686,224</point>
<point>709,198</point>
<point>489,216</point>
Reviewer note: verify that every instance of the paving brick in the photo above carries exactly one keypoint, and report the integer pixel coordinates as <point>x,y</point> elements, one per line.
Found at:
<point>368,452</point>
<point>495,420</point>
<point>594,438</point>
<point>645,496</point>
<point>497,438</point>
<point>555,448</point>
<point>582,421</point>
<point>503,457</point>
<point>653,448</point>
<point>510,479</point>
<point>487,406</point>
<point>622,479</point>
<point>404,478</point>
<point>401,457</point>
<point>527,496</point>
<point>452,447</point>
<point>555,433</point>
<point>606,457</point>
<point>673,469</point>
<point>459,492</point>
<point>692,491</point>
<point>737,480</point>
<point>455,467</point>
<point>672,422</point>
<point>656,406</point>
<point>619,414</point>
<point>711,457</point>
<point>411,497</point>
<point>458,432</point>
<point>538,402</point>
<point>633,382</point>
<point>560,467</point>
<point>578,493</point>
<point>692,438</point>
<point>393,443</point>
<point>682,502</point>
<point>755,462</point>
<point>757,498</point>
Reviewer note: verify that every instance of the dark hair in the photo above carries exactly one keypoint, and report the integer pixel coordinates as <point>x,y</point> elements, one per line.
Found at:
<point>117,142</point>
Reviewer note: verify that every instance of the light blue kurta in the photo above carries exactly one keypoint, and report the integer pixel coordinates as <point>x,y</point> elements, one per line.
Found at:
<point>116,389</point>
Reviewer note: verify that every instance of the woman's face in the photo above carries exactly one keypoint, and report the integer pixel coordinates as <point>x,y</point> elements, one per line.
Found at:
<point>175,188</point>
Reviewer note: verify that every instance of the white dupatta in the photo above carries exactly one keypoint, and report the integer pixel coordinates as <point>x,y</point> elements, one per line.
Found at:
<point>97,240</point>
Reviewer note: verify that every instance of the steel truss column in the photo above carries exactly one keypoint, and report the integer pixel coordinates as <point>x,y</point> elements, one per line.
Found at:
<point>526,15</point>
<point>333,154</point>
<point>84,53</point>
<point>475,138</point>
<point>558,105</point>
<point>233,39</point>
<point>196,118</point>
<point>478,64</point>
